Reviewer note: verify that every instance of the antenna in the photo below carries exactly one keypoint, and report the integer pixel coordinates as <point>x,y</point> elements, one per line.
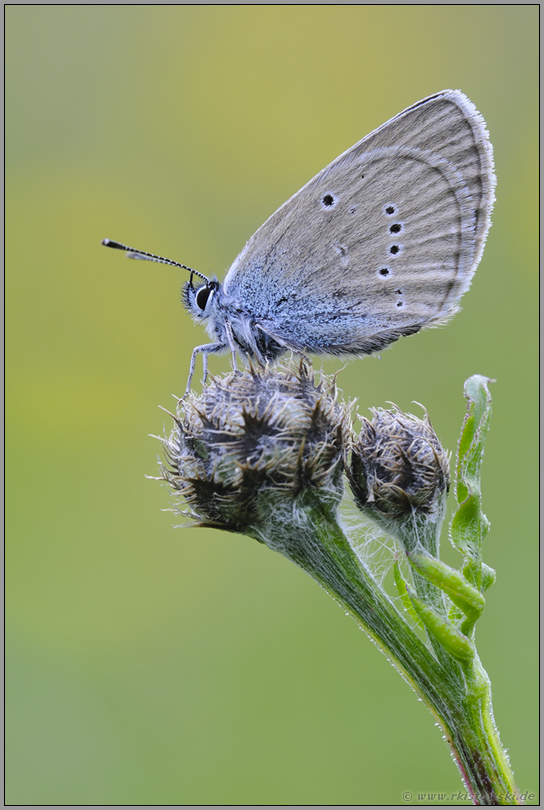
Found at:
<point>132,253</point>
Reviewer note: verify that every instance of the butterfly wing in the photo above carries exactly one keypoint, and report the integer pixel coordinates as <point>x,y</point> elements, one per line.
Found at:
<point>382,242</point>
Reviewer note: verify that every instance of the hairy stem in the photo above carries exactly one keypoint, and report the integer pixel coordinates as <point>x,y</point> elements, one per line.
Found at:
<point>462,707</point>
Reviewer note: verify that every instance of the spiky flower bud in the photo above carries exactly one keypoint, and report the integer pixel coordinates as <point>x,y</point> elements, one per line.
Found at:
<point>252,440</point>
<point>398,463</point>
<point>399,470</point>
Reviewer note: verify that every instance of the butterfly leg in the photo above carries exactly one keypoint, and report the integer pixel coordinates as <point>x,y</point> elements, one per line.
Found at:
<point>206,349</point>
<point>286,347</point>
<point>230,338</point>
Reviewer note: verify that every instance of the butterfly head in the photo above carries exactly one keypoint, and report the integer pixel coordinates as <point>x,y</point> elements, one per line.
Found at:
<point>201,301</point>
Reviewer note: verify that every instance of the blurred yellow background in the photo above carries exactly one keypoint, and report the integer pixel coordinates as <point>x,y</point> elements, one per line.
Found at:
<point>148,665</point>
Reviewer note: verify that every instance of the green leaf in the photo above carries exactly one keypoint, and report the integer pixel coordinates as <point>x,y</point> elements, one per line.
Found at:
<point>469,525</point>
<point>451,639</point>
<point>489,575</point>
<point>400,582</point>
<point>452,582</point>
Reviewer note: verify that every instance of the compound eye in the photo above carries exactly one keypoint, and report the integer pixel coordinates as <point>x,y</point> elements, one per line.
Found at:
<point>202,297</point>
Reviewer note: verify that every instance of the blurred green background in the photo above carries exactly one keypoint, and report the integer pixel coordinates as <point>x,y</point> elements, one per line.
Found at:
<point>148,665</point>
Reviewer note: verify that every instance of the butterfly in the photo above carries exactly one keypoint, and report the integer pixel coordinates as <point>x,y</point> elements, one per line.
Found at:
<point>380,244</point>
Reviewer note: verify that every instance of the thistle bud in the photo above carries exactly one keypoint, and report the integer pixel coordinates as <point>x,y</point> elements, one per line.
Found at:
<point>399,470</point>
<point>253,440</point>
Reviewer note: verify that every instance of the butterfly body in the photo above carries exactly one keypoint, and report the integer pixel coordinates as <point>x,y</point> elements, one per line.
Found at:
<point>229,319</point>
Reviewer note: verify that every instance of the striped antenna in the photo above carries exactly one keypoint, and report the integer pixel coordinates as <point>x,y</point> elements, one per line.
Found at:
<point>150,257</point>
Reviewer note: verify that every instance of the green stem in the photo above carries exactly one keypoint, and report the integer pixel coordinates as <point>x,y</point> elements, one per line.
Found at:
<point>476,736</point>
<point>416,531</point>
<point>462,706</point>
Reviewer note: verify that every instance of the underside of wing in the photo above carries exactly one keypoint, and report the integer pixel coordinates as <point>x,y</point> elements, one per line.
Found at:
<point>382,242</point>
